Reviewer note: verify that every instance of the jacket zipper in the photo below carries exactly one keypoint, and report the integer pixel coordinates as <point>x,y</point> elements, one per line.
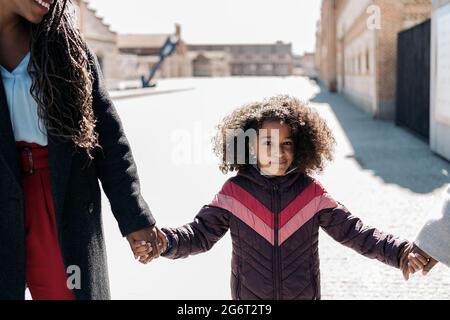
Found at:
<point>275,247</point>
<point>238,286</point>
<point>238,275</point>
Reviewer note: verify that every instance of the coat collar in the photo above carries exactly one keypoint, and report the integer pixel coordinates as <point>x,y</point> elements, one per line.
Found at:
<point>60,155</point>
<point>8,151</point>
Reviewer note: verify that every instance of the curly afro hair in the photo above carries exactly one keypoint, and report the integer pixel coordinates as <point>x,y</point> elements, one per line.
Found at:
<point>313,139</point>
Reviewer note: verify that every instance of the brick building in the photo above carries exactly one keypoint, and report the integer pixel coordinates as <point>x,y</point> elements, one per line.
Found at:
<point>305,65</point>
<point>326,44</point>
<point>255,59</point>
<point>147,46</point>
<point>357,48</point>
<point>210,63</point>
<point>101,40</point>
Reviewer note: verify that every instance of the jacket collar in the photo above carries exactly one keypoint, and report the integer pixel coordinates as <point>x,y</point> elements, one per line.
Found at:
<point>253,174</point>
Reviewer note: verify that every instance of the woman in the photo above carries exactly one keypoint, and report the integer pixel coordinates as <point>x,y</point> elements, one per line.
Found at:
<point>433,240</point>
<point>59,134</point>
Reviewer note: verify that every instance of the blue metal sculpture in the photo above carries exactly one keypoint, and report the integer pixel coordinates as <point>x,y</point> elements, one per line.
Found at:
<point>166,50</point>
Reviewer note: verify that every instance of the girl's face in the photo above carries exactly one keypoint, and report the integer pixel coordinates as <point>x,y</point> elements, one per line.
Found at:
<point>31,10</point>
<point>275,148</point>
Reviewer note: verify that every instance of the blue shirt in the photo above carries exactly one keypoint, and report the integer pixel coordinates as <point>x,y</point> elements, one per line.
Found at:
<point>23,111</point>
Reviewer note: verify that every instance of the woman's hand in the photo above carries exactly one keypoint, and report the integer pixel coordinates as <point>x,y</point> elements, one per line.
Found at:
<point>147,244</point>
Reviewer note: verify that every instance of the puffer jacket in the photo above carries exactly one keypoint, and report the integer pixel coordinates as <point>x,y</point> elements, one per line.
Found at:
<point>274,225</point>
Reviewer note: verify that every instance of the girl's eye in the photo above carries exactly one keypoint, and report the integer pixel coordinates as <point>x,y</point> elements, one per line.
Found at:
<point>288,143</point>
<point>267,143</point>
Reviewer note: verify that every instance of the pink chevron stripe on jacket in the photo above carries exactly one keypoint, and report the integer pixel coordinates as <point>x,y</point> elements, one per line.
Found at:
<point>252,212</point>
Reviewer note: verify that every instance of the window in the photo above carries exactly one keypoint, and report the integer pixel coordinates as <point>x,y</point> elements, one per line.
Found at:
<point>359,64</point>
<point>367,61</point>
<point>100,62</point>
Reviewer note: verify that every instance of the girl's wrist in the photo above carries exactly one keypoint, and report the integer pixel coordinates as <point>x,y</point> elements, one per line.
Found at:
<point>169,244</point>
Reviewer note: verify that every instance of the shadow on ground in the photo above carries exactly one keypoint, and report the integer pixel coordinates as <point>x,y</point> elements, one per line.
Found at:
<point>390,152</point>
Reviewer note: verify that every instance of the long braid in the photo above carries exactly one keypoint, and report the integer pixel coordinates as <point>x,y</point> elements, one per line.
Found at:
<point>62,78</point>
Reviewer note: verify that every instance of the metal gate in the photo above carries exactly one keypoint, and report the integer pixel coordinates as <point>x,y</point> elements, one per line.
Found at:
<point>413,79</point>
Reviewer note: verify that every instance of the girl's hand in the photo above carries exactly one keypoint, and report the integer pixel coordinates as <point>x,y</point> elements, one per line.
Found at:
<point>419,257</point>
<point>417,261</point>
<point>406,267</point>
<point>413,259</point>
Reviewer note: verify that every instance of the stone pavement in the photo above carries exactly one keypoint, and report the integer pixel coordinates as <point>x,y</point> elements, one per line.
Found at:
<point>390,179</point>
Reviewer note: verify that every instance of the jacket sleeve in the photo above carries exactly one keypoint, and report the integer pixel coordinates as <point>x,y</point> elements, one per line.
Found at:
<point>114,161</point>
<point>208,227</point>
<point>351,232</point>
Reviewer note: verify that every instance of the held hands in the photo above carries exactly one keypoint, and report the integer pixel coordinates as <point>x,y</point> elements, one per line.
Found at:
<point>413,259</point>
<point>147,244</point>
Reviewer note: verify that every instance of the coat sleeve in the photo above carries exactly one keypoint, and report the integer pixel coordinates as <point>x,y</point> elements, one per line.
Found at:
<point>351,232</point>
<point>114,161</point>
<point>434,237</point>
<point>208,227</point>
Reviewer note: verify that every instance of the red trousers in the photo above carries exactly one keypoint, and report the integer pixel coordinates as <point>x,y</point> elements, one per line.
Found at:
<point>45,271</point>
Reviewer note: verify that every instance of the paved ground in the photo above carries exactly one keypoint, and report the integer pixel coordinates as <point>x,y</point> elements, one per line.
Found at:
<point>381,173</point>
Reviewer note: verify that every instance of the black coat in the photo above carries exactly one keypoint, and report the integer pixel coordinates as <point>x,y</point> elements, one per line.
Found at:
<point>76,195</point>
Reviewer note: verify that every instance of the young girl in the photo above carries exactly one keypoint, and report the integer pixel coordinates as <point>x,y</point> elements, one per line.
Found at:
<point>59,132</point>
<point>274,208</point>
